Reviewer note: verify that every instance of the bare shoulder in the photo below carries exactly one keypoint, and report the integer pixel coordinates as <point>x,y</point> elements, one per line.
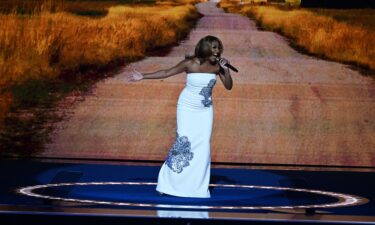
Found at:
<point>186,63</point>
<point>192,64</point>
<point>182,65</point>
<point>189,62</point>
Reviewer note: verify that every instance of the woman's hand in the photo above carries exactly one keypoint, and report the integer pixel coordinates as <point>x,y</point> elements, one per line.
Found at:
<point>134,76</point>
<point>224,74</point>
<point>222,62</point>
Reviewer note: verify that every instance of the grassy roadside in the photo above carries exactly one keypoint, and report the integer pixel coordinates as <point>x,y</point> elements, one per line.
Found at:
<point>340,35</point>
<point>58,43</point>
<point>78,7</point>
<point>54,55</point>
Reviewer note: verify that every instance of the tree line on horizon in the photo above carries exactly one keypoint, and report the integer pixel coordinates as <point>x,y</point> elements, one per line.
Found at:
<point>338,4</point>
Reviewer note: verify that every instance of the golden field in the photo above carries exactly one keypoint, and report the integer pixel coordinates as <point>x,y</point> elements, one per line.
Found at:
<point>341,35</point>
<point>357,17</point>
<point>80,7</point>
<point>45,44</point>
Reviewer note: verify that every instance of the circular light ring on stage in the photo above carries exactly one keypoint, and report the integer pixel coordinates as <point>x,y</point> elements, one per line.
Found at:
<point>342,199</point>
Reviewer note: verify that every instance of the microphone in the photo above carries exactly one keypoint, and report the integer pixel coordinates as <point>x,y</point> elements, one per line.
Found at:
<point>229,66</point>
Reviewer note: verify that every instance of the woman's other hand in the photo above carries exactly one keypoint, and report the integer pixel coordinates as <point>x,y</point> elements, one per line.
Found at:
<point>134,76</point>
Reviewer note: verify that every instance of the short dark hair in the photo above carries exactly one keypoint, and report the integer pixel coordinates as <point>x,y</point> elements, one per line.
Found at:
<point>203,47</point>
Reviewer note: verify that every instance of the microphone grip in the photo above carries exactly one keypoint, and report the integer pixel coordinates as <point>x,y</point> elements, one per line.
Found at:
<point>231,67</point>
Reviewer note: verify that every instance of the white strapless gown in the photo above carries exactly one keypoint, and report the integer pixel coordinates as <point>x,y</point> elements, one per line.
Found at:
<point>186,171</point>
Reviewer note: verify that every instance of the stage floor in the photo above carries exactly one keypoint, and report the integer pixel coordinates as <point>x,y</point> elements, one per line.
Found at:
<point>126,190</point>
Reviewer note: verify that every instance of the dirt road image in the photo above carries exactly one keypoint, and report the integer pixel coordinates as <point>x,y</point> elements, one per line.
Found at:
<point>284,108</point>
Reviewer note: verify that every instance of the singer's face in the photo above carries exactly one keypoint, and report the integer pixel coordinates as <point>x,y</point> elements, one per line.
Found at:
<point>215,49</point>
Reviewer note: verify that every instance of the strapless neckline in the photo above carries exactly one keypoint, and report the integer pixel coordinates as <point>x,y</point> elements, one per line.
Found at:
<point>201,73</point>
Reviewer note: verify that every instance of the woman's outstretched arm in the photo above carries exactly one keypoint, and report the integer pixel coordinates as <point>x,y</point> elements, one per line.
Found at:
<point>224,74</point>
<point>179,68</point>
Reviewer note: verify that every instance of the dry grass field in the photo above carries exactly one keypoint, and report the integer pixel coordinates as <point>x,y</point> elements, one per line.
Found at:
<point>341,35</point>
<point>357,17</point>
<point>84,7</point>
<point>49,41</point>
<point>79,7</point>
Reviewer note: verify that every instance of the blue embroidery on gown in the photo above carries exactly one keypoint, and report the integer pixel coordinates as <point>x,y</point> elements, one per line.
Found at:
<point>179,155</point>
<point>207,93</point>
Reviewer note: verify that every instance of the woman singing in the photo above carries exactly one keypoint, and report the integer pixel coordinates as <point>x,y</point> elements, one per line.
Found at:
<point>186,171</point>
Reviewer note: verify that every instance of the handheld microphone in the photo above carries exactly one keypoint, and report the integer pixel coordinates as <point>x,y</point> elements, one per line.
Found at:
<point>229,66</point>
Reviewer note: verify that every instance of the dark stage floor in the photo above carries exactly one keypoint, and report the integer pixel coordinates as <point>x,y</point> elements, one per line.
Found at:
<point>69,192</point>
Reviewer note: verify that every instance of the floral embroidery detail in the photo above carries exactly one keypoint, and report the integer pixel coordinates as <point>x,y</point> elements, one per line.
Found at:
<point>207,93</point>
<point>179,155</point>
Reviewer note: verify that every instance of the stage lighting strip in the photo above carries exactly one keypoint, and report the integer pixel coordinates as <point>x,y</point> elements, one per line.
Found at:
<point>343,199</point>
